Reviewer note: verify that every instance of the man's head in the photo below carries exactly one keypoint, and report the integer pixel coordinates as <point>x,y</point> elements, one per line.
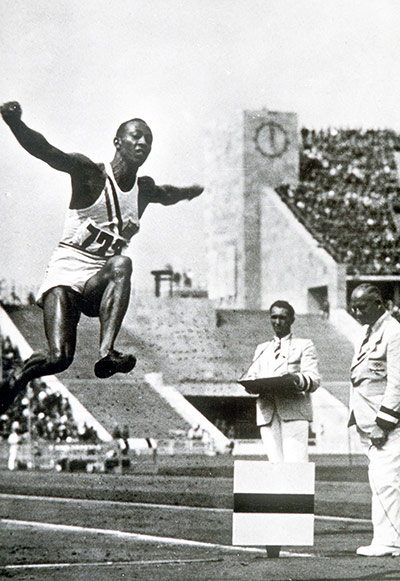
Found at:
<point>133,141</point>
<point>282,318</point>
<point>366,303</point>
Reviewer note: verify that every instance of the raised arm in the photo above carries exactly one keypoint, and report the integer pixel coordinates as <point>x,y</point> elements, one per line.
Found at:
<point>34,142</point>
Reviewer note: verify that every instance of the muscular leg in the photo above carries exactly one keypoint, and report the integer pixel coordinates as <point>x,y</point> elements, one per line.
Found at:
<point>61,316</point>
<point>106,295</point>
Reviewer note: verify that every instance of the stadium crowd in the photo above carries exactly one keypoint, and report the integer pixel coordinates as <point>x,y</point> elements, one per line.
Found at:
<point>39,413</point>
<point>347,196</point>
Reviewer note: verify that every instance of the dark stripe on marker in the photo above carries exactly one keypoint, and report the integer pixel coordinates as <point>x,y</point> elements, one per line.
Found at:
<point>274,503</point>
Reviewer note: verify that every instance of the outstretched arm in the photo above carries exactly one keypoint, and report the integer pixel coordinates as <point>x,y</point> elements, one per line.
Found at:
<point>34,142</point>
<point>166,195</point>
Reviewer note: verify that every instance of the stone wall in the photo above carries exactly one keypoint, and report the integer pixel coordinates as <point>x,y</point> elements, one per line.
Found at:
<point>292,261</point>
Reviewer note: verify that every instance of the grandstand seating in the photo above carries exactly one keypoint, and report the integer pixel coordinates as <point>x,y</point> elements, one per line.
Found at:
<point>347,195</point>
<point>39,413</point>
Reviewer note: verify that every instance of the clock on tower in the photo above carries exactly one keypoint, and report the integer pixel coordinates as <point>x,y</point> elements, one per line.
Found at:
<point>271,139</point>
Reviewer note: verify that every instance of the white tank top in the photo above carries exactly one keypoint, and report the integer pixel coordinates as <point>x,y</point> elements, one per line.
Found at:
<point>106,227</point>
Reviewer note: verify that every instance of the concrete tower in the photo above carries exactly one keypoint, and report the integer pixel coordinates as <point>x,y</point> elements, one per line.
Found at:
<point>253,152</point>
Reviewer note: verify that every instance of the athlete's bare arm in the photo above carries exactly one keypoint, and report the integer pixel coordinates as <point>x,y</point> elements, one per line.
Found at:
<point>166,195</point>
<point>34,142</point>
<point>87,178</point>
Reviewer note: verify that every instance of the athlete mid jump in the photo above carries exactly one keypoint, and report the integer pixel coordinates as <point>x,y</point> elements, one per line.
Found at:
<point>88,272</point>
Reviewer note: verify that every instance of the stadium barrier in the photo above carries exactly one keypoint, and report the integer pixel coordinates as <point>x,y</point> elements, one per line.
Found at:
<point>115,456</point>
<point>67,457</point>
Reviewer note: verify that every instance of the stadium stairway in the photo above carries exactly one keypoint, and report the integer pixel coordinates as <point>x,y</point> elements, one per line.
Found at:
<point>189,342</point>
<point>201,344</point>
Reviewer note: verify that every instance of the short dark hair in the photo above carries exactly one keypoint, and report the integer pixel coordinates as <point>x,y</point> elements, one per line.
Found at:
<point>283,305</point>
<point>122,128</point>
<point>371,290</point>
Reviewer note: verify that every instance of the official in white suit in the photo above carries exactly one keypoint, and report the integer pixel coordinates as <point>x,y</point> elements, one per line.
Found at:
<point>375,410</point>
<point>284,417</point>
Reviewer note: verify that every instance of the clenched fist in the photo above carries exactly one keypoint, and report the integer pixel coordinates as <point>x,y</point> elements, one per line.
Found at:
<point>11,111</point>
<point>194,191</point>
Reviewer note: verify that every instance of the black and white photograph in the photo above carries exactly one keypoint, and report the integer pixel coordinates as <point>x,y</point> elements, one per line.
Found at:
<point>200,290</point>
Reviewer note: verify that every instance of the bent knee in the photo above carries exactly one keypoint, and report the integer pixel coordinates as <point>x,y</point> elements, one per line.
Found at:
<point>120,266</point>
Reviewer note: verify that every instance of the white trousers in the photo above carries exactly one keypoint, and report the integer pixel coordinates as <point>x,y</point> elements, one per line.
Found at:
<point>12,456</point>
<point>285,440</point>
<point>384,479</point>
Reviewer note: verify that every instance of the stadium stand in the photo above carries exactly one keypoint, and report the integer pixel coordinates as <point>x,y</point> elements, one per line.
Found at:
<point>39,413</point>
<point>347,195</point>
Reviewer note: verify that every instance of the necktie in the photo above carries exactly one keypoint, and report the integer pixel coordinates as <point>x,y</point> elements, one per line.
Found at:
<point>277,348</point>
<point>363,345</point>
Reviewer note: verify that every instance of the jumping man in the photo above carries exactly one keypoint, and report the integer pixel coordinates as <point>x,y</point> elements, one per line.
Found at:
<point>88,272</point>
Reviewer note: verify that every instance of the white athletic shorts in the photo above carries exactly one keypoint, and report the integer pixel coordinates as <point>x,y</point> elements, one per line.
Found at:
<point>69,267</point>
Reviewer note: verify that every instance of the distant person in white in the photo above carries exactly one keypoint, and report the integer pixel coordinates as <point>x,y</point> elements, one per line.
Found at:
<point>284,417</point>
<point>375,411</point>
<point>13,442</point>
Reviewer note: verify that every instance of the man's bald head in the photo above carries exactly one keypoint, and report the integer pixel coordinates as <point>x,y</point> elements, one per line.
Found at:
<point>366,303</point>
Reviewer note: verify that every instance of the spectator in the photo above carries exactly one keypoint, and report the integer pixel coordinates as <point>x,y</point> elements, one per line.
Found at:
<point>125,433</point>
<point>348,192</point>
<point>116,432</point>
<point>195,433</point>
<point>50,413</point>
<point>13,441</point>
<point>325,308</point>
<point>187,279</point>
<point>231,432</point>
<point>177,278</point>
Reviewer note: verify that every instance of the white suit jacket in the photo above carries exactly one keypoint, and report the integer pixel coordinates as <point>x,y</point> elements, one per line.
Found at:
<point>375,377</point>
<point>296,356</point>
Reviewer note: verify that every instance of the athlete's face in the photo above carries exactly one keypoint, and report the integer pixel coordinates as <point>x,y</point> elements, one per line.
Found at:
<point>281,321</point>
<point>135,143</point>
